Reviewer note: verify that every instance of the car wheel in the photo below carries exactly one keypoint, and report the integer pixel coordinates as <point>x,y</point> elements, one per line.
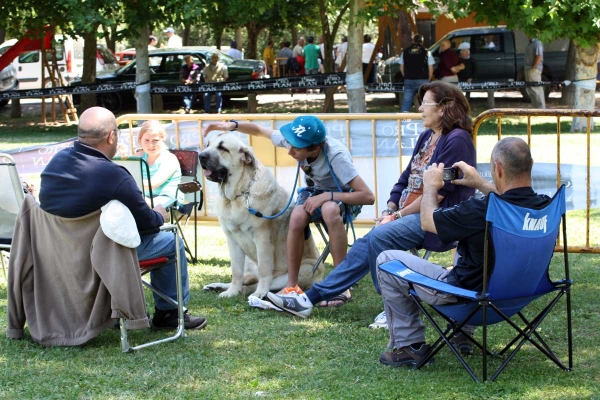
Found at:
<point>50,83</point>
<point>111,101</point>
<point>3,103</point>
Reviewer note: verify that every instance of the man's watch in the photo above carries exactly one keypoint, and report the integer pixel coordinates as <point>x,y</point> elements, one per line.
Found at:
<point>387,211</point>
<point>236,124</point>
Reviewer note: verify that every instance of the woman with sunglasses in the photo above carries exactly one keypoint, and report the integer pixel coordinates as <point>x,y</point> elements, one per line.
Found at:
<point>447,139</point>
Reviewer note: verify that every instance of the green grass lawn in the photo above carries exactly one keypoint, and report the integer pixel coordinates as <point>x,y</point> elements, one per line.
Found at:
<point>246,352</point>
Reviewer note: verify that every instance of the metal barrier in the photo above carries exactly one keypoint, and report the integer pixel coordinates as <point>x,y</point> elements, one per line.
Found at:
<point>578,154</point>
<point>373,140</point>
<point>381,145</point>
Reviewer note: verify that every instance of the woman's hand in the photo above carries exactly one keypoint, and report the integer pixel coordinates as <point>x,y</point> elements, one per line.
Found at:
<point>384,219</point>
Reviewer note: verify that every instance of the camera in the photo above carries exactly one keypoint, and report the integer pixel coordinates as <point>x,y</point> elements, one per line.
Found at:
<point>450,174</point>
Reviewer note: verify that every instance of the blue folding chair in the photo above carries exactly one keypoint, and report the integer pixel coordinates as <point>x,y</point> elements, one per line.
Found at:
<point>523,242</point>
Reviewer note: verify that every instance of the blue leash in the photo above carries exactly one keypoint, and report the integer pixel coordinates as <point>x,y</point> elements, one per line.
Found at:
<point>347,214</point>
<point>260,215</point>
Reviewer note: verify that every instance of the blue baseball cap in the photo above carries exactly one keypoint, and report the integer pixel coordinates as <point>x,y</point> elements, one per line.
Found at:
<point>304,131</point>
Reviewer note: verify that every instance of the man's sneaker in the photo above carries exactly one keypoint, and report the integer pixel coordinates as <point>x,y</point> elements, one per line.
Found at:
<point>405,356</point>
<point>380,322</point>
<point>294,303</point>
<point>169,320</point>
<point>462,341</point>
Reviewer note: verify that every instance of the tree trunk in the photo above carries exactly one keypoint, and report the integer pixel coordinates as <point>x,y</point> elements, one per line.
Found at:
<point>355,87</point>
<point>567,97</point>
<point>89,70</point>
<point>109,37</point>
<point>218,37</point>
<point>586,60</point>
<point>239,38</point>
<point>142,76</point>
<point>2,35</point>
<point>294,40</point>
<point>186,34</point>
<point>15,108</point>
<point>253,32</point>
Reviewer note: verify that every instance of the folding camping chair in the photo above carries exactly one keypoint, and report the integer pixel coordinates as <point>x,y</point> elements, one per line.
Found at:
<point>523,244</point>
<point>11,197</point>
<point>146,266</point>
<point>350,213</point>
<point>138,168</point>
<point>190,185</point>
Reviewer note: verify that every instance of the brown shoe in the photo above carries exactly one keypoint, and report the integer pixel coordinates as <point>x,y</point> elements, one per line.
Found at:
<point>405,356</point>
<point>463,343</point>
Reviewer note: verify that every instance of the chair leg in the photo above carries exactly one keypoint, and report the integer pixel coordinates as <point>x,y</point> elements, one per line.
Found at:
<point>3,265</point>
<point>180,331</point>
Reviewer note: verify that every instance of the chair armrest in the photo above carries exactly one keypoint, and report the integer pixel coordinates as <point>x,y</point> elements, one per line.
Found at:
<point>398,269</point>
<point>168,227</point>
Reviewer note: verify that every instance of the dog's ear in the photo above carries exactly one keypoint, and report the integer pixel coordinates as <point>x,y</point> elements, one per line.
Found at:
<point>247,157</point>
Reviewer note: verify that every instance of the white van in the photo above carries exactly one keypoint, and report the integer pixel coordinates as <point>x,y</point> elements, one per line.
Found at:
<point>69,56</point>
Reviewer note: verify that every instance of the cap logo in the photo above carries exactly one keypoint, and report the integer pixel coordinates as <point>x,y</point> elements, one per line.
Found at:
<point>299,130</point>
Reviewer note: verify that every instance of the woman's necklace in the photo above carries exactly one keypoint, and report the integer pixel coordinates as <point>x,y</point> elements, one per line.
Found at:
<point>432,142</point>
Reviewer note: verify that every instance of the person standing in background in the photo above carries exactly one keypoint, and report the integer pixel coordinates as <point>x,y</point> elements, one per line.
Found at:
<point>311,55</point>
<point>416,65</point>
<point>534,64</point>
<point>174,40</point>
<point>216,71</point>
<point>269,57</point>
<point>298,54</point>
<point>448,60</point>
<point>469,70</point>
<point>367,52</point>
<point>152,41</point>
<point>340,54</point>
<point>233,51</point>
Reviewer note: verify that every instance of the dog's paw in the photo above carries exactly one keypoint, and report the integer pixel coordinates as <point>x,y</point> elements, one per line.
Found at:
<point>260,295</point>
<point>216,287</point>
<point>229,293</point>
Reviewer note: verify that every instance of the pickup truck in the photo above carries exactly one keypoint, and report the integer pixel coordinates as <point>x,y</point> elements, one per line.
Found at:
<point>500,54</point>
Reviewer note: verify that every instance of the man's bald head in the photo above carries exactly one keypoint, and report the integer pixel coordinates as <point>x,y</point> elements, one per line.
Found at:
<point>445,45</point>
<point>514,155</point>
<point>94,125</point>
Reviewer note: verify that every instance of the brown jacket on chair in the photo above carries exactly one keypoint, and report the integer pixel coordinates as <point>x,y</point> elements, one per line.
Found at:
<point>68,280</point>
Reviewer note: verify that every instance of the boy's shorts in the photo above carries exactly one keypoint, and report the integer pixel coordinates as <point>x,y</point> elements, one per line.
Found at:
<point>346,210</point>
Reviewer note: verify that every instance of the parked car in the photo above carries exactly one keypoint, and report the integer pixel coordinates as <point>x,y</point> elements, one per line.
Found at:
<point>164,69</point>
<point>125,56</point>
<point>8,81</point>
<point>69,57</point>
<point>499,53</point>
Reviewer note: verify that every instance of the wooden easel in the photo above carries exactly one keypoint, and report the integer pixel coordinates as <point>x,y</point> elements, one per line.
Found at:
<point>50,69</point>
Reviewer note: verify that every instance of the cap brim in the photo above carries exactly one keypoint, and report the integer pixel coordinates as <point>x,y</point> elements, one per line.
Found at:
<point>290,136</point>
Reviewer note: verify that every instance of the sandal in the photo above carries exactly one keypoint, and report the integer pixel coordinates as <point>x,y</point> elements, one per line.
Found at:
<point>339,298</point>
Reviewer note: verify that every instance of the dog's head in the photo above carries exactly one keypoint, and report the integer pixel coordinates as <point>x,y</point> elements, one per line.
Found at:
<point>225,158</point>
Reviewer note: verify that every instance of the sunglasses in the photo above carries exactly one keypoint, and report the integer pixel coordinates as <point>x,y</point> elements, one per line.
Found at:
<point>308,171</point>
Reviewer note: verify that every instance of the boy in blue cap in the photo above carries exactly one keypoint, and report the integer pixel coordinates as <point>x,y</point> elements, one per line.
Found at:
<point>328,167</point>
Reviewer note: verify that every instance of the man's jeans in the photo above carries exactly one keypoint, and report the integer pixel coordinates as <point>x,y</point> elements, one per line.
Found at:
<point>218,101</point>
<point>188,101</point>
<point>411,87</point>
<point>402,234</point>
<point>162,244</point>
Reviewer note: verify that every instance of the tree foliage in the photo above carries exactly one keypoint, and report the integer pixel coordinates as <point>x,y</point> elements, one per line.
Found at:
<point>547,20</point>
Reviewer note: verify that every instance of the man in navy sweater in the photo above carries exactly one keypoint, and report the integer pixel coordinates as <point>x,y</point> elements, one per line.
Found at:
<point>81,179</point>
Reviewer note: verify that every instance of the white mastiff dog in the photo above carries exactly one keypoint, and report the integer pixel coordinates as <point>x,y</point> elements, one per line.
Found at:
<point>257,246</point>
